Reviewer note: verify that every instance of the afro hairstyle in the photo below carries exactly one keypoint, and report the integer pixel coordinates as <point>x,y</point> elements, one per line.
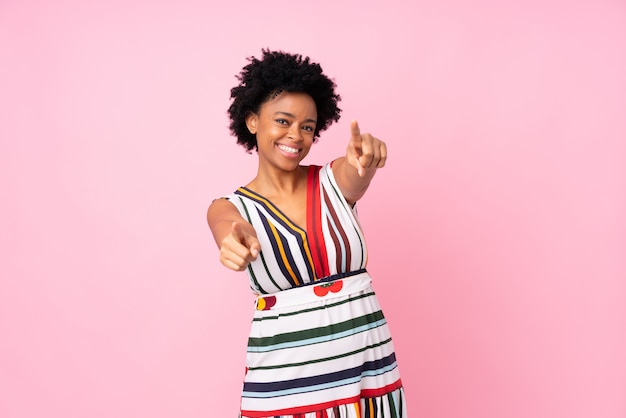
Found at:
<point>277,72</point>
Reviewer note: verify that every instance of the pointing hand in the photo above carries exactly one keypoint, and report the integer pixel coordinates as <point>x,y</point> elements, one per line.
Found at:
<point>239,248</point>
<point>364,151</point>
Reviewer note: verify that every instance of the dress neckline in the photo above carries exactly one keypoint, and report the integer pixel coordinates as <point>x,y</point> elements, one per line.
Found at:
<point>275,209</point>
<point>311,236</point>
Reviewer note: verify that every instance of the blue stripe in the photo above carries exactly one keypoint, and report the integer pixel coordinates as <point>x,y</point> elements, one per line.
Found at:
<point>320,382</point>
<point>314,388</point>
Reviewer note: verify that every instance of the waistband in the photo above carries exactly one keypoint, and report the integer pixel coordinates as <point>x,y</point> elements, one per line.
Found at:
<point>328,288</point>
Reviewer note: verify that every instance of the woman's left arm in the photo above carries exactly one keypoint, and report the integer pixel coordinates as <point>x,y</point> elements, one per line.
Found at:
<point>354,172</point>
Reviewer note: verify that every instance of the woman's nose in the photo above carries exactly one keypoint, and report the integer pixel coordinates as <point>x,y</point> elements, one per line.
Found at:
<point>295,132</point>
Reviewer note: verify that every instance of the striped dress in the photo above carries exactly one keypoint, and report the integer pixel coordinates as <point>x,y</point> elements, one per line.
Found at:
<point>319,344</point>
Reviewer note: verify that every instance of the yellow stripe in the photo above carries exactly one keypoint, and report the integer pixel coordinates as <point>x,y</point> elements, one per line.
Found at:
<point>282,253</point>
<point>293,226</point>
<point>371,407</point>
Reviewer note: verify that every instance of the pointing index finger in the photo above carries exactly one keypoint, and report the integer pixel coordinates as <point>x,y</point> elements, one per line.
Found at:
<point>235,229</point>
<point>354,130</point>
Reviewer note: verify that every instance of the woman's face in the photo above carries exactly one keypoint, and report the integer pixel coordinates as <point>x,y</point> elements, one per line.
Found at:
<point>284,128</point>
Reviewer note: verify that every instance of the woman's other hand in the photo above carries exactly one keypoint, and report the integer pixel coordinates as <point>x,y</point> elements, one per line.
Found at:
<point>365,151</point>
<point>240,247</point>
<point>235,237</point>
<point>364,155</point>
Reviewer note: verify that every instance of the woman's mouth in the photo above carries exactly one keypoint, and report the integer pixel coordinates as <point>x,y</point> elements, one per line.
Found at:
<point>288,150</point>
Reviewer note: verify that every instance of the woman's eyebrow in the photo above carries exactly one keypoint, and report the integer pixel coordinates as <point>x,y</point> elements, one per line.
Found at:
<point>293,116</point>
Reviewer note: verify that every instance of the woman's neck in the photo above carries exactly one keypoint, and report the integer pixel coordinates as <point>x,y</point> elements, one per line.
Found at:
<point>279,183</point>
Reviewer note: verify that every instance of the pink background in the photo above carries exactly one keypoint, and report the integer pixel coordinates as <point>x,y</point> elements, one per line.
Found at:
<point>497,231</point>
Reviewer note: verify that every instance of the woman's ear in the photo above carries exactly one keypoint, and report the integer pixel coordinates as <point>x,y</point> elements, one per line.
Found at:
<point>251,122</point>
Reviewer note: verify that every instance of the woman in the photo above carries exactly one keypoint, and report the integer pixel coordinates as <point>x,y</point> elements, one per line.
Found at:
<point>319,345</point>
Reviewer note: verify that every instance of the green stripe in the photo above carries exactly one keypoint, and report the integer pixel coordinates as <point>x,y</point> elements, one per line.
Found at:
<point>330,305</point>
<point>392,405</point>
<point>304,363</point>
<point>316,332</point>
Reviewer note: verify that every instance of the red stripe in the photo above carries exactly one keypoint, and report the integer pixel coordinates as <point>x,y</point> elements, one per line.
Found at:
<point>373,393</point>
<point>314,224</point>
<point>299,409</point>
<point>365,393</point>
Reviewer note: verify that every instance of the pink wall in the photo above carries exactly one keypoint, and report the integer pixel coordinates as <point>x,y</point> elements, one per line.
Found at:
<point>497,231</point>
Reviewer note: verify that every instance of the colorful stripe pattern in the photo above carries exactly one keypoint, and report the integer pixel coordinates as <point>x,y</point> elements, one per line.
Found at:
<point>329,353</point>
<point>332,243</point>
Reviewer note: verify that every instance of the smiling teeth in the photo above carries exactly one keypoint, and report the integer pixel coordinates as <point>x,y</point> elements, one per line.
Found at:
<point>288,149</point>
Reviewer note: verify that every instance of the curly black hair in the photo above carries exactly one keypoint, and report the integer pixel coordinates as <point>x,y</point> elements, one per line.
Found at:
<point>277,72</point>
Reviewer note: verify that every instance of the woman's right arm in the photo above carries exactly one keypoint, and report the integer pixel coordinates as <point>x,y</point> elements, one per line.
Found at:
<point>234,236</point>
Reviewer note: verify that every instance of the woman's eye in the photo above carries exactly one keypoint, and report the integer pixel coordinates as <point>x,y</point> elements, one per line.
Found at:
<point>282,121</point>
<point>308,128</point>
